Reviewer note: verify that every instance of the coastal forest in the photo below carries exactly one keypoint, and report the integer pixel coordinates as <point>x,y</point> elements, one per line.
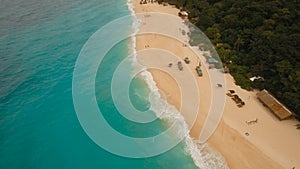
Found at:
<point>254,38</point>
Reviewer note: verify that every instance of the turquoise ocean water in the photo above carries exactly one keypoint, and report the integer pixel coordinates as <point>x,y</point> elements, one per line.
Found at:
<point>39,44</point>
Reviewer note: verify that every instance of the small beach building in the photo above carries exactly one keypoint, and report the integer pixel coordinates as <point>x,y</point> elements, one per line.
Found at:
<point>280,111</point>
<point>183,14</point>
<point>212,60</point>
<point>259,78</point>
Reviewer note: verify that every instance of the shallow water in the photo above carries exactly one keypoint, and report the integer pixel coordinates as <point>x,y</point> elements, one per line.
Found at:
<point>39,44</point>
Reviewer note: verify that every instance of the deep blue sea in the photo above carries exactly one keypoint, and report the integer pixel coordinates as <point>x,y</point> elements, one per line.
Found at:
<point>40,41</point>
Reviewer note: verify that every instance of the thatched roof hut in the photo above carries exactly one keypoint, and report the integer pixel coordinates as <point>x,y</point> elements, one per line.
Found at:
<point>274,105</point>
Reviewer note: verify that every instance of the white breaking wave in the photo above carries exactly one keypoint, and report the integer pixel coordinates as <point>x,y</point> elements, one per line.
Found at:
<point>203,156</point>
<point>135,28</point>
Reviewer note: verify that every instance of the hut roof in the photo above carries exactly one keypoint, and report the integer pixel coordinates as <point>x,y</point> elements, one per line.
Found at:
<point>256,78</point>
<point>212,60</point>
<point>274,105</point>
<point>183,13</point>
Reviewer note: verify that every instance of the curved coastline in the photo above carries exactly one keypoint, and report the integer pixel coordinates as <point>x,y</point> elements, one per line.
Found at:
<point>254,151</point>
<point>202,155</point>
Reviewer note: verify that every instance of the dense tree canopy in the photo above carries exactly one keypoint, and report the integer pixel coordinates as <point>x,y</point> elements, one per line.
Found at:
<point>260,37</point>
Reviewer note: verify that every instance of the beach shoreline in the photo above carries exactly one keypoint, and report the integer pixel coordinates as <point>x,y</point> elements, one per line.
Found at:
<point>262,148</point>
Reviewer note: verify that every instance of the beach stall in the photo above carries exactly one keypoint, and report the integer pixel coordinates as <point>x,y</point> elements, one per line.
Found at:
<point>259,78</point>
<point>212,60</point>
<point>183,14</point>
<point>277,108</point>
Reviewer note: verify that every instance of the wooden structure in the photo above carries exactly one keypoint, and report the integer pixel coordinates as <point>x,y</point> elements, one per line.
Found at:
<point>274,105</point>
<point>183,14</point>
<point>226,70</point>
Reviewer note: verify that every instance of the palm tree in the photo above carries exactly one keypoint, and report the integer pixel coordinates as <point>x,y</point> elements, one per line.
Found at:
<point>240,41</point>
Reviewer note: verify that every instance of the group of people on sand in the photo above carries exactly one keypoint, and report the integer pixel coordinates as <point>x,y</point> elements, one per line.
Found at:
<point>236,98</point>
<point>146,1</point>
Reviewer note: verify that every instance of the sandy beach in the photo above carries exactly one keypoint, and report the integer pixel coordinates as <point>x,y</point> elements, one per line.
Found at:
<point>268,144</point>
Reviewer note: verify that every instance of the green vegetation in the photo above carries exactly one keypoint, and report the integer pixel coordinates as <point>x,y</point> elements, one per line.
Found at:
<point>260,38</point>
